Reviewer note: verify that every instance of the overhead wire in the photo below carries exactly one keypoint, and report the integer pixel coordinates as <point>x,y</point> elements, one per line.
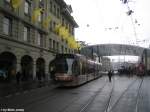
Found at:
<point>132,21</point>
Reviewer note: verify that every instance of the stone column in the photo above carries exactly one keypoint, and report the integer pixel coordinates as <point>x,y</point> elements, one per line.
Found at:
<point>18,66</point>
<point>34,69</point>
<point>47,70</point>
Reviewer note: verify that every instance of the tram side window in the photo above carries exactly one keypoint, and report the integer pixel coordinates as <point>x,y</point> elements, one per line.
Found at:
<point>87,68</point>
<point>75,68</point>
<point>84,68</point>
<point>90,68</point>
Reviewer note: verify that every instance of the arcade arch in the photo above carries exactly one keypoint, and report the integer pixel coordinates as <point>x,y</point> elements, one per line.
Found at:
<point>27,68</point>
<point>8,63</point>
<point>40,68</point>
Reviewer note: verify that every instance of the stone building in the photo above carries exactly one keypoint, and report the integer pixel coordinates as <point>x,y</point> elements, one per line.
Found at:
<point>26,46</point>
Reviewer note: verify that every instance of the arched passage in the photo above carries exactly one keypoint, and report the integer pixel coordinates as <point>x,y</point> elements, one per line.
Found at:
<point>40,68</point>
<point>7,66</point>
<point>27,68</point>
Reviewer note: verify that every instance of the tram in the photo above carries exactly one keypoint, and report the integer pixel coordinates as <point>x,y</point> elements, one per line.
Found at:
<point>146,60</point>
<point>73,69</point>
<point>140,69</point>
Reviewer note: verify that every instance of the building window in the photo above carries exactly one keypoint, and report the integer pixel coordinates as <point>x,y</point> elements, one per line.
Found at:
<point>58,11</point>
<point>63,21</point>
<point>57,46</point>
<point>54,9</point>
<point>8,1</point>
<point>40,17</point>
<point>69,51</point>
<point>41,2</point>
<point>66,41</point>
<point>51,6</point>
<point>51,26</point>
<point>54,24</point>
<point>66,24</point>
<point>26,7</point>
<point>7,26</point>
<point>54,44</point>
<point>72,31</point>
<point>39,38</point>
<point>65,50</point>
<point>50,43</point>
<point>62,48</point>
<point>44,41</point>
<point>26,34</point>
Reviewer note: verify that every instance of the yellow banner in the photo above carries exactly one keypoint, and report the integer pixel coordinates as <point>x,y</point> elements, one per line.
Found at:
<point>46,22</point>
<point>36,14</point>
<point>16,3</point>
<point>57,27</point>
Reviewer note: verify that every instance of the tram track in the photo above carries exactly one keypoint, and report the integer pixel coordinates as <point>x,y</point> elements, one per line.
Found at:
<point>109,99</point>
<point>138,95</point>
<point>53,96</point>
<point>43,99</point>
<point>77,99</point>
<point>115,104</point>
<point>130,85</point>
<point>97,97</point>
<point>86,106</point>
<point>107,105</point>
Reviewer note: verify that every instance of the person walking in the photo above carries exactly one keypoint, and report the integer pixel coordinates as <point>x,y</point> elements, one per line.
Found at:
<point>39,76</point>
<point>110,75</point>
<point>18,76</point>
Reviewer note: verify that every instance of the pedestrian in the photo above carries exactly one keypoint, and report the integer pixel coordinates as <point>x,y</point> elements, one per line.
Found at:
<point>110,75</point>
<point>18,75</point>
<point>39,76</point>
<point>141,69</point>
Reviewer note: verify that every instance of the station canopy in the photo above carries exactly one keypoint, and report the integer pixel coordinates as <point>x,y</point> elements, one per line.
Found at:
<point>113,50</point>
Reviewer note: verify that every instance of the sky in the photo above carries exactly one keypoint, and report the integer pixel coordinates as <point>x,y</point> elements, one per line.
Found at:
<point>106,21</point>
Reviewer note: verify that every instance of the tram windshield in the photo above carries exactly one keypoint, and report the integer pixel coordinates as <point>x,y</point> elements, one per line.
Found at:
<point>63,64</point>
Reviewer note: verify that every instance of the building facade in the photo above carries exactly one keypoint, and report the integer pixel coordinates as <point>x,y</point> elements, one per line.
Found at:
<point>27,46</point>
<point>106,64</point>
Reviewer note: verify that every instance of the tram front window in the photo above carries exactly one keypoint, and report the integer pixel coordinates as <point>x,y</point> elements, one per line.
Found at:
<point>61,65</point>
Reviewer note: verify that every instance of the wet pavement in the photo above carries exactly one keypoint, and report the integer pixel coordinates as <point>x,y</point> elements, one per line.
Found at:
<point>123,94</point>
<point>9,89</point>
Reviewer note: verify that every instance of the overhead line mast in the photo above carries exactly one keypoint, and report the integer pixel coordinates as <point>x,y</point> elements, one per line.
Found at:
<point>129,13</point>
